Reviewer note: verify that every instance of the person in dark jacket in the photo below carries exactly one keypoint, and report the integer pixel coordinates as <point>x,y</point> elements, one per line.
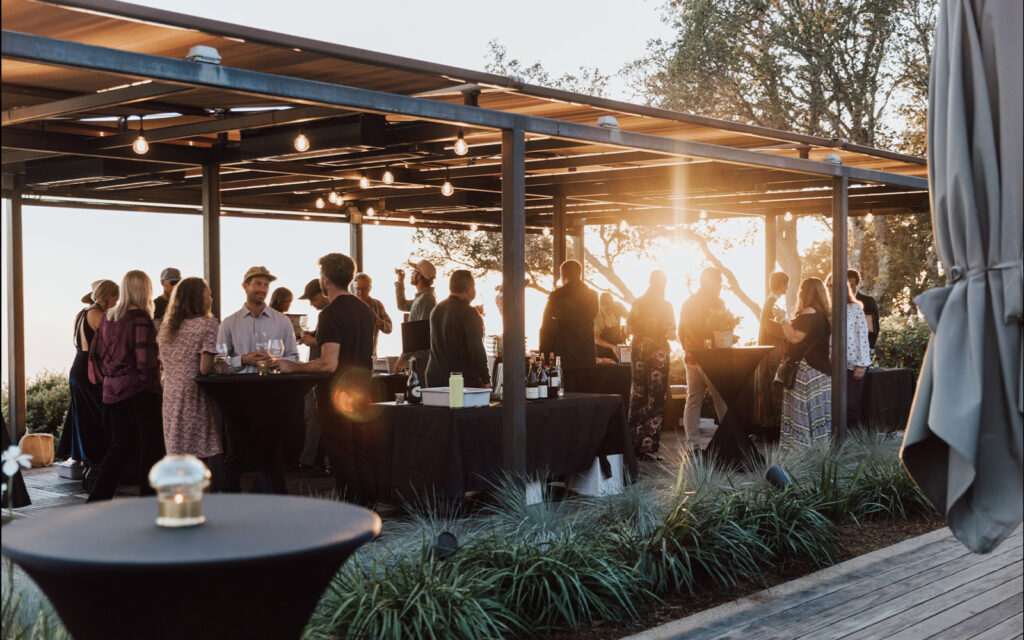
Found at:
<point>457,336</point>
<point>567,328</point>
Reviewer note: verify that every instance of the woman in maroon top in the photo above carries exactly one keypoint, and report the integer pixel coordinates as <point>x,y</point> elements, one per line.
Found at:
<point>124,360</point>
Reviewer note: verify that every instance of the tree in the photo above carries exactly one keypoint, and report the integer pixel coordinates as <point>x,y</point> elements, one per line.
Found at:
<point>848,69</point>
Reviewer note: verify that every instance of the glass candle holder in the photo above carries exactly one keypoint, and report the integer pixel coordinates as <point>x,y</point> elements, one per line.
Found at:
<point>179,481</point>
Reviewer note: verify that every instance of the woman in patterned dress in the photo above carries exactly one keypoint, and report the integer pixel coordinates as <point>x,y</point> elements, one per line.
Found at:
<point>188,343</point>
<point>652,324</point>
<point>807,406</point>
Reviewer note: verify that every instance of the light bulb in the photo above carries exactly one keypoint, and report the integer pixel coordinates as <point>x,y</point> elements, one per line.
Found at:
<point>412,219</point>
<point>623,226</point>
<point>788,217</point>
<point>474,227</point>
<point>545,232</point>
<point>447,189</point>
<point>140,146</point>
<point>319,203</point>
<point>388,177</point>
<point>370,211</point>
<point>301,143</point>
<point>332,197</point>
<point>376,222</point>
<point>364,182</point>
<point>461,148</point>
<point>869,218</point>
<point>703,214</point>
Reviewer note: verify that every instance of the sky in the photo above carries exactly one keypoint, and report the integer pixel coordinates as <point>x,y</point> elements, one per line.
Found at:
<point>66,249</point>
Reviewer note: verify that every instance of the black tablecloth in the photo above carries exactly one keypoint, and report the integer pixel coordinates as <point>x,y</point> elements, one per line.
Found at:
<point>602,378</point>
<point>406,450</point>
<point>262,418</point>
<point>256,569</point>
<point>731,371</point>
<point>386,385</point>
<point>888,394</point>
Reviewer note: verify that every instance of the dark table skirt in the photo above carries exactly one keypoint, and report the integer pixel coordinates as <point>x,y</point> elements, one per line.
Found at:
<point>256,569</point>
<point>406,450</point>
<point>888,394</point>
<point>601,378</point>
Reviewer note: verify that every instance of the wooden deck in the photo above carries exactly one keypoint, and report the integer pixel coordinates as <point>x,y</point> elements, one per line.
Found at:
<point>929,587</point>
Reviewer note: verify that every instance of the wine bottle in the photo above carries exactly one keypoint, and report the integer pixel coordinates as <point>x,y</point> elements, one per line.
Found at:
<point>413,387</point>
<point>532,392</point>
<point>557,389</point>
<point>543,380</point>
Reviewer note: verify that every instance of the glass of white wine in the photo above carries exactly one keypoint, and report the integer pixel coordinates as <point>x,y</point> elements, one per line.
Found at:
<point>275,349</point>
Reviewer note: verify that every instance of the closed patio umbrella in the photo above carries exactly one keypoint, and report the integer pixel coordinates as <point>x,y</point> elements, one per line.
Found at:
<point>963,443</point>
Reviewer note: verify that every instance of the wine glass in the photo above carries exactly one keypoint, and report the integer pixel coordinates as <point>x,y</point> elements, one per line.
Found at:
<point>262,345</point>
<point>275,348</point>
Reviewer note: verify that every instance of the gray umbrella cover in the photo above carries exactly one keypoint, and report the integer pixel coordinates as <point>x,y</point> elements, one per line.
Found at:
<point>963,443</point>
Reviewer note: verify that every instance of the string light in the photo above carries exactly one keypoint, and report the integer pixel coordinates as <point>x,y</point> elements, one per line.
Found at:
<point>370,212</point>
<point>364,182</point>
<point>545,232</point>
<point>788,217</point>
<point>376,222</point>
<point>623,226</point>
<point>140,146</point>
<point>869,218</point>
<point>319,203</point>
<point>447,189</point>
<point>388,177</point>
<point>305,217</point>
<point>703,214</point>
<point>412,219</point>
<point>301,143</point>
<point>332,197</point>
<point>461,148</point>
<point>474,227</point>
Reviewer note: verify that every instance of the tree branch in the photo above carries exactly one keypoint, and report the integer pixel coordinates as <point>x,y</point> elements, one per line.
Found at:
<point>730,277</point>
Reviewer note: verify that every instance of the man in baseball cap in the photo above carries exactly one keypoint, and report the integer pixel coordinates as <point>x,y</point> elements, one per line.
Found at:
<point>246,331</point>
<point>168,278</point>
<point>419,308</point>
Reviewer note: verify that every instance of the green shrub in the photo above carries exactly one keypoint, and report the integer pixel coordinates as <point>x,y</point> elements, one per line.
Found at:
<point>48,396</point>
<point>791,525</point>
<point>902,342</point>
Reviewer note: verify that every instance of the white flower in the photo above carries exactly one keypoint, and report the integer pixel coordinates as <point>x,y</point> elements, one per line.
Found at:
<point>13,458</point>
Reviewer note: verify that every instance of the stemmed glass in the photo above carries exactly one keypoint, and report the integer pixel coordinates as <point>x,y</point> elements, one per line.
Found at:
<point>262,346</point>
<point>275,348</point>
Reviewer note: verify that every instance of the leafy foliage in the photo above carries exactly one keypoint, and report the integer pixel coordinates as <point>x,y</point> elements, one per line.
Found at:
<point>902,342</point>
<point>48,396</point>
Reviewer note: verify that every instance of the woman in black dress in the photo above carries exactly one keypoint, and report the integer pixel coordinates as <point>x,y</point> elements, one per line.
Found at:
<point>85,438</point>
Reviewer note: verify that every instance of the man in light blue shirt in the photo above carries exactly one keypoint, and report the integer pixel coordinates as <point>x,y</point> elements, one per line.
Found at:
<point>255,322</point>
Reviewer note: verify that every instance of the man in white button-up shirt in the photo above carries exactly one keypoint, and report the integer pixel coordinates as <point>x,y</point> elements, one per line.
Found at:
<point>255,322</point>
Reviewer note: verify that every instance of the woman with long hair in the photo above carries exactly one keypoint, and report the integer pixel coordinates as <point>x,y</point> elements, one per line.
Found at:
<point>858,354</point>
<point>281,299</point>
<point>807,404</point>
<point>84,438</point>
<point>188,343</point>
<point>125,362</point>
<point>652,325</point>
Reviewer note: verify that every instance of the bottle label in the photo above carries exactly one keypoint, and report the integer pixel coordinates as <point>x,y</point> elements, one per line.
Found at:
<point>542,392</point>
<point>556,381</point>
<point>532,393</point>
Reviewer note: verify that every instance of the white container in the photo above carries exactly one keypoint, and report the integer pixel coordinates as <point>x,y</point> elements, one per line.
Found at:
<point>625,354</point>
<point>472,397</point>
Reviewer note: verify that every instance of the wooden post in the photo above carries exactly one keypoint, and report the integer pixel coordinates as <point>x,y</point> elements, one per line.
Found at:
<point>513,237</point>
<point>211,231</point>
<point>14,283</point>
<point>559,233</point>
<point>840,213</point>
<point>355,238</point>
<point>770,251</point>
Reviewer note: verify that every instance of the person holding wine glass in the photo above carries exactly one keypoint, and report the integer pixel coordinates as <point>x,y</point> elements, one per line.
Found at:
<point>247,332</point>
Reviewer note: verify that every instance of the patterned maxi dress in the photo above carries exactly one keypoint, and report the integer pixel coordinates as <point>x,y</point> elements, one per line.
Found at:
<point>651,322</point>
<point>807,407</point>
<point>188,422</point>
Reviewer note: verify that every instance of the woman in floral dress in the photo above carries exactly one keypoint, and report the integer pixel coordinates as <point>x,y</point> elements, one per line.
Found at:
<point>652,324</point>
<point>188,343</point>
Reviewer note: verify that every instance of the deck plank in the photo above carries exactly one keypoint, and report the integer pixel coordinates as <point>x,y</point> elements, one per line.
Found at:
<point>937,624</point>
<point>994,615</point>
<point>1009,628</point>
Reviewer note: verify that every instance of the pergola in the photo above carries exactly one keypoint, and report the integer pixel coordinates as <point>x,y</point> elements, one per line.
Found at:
<point>391,141</point>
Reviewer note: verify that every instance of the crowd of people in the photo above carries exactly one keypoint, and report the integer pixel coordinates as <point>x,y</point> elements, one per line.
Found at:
<point>134,393</point>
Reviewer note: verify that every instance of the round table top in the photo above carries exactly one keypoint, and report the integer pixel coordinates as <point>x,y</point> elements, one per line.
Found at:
<point>255,378</point>
<point>239,529</point>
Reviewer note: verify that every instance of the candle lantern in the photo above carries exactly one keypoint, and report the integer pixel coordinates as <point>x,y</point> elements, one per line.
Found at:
<point>179,481</point>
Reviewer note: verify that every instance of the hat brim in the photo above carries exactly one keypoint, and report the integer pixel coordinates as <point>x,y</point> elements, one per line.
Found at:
<point>269,277</point>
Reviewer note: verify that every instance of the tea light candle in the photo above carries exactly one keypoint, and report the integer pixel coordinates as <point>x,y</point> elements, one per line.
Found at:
<point>179,481</point>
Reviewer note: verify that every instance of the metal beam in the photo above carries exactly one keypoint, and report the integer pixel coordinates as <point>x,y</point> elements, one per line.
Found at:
<point>513,259</point>
<point>840,186</point>
<point>44,50</point>
<point>558,208</point>
<point>355,239</point>
<point>88,103</point>
<point>211,232</point>
<point>67,144</point>
<point>14,283</point>
<point>770,250</point>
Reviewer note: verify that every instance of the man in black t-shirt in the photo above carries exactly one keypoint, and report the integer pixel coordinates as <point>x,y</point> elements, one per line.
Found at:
<point>169,277</point>
<point>457,336</point>
<point>871,312</point>
<point>344,329</point>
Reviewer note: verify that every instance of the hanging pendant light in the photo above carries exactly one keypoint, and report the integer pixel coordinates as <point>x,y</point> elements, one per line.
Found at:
<point>364,182</point>
<point>474,227</point>
<point>332,197</point>
<point>869,218</point>
<point>461,148</point>
<point>301,143</point>
<point>140,146</point>
<point>319,203</point>
<point>545,232</point>
<point>703,214</point>
<point>412,219</point>
<point>370,212</point>
<point>788,217</point>
<point>388,177</point>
